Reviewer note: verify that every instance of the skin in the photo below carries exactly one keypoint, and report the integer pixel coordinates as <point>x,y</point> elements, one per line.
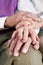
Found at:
<point>30,22</point>
<point>25,24</point>
<point>17,40</point>
<point>13,20</point>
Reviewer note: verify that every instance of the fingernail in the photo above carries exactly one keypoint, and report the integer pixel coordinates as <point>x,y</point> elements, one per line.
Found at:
<point>16,54</point>
<point>24,50</point>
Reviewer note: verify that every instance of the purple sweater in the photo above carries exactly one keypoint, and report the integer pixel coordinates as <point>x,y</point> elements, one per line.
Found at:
<point>7,7</point>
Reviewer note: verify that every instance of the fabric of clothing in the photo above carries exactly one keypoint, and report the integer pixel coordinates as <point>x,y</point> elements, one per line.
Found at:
<point>2,21</point>
<point>35,6</point>
<point>7,7</point>
<point>27,5</point>
<point>33,57</point>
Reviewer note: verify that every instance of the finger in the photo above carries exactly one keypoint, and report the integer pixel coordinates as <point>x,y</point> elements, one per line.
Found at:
<point>22,23</point>
<point>27,45</point>
<point>25,35</point>
<point>17,48</point>
<point>26,18</point>
<point>33,16</point>
<point>37,38</point>
<point>33,35</point>
<point>20,33</point>
<point>12,46</point>
<point>9,42</point>
<point>14,34</point>
<point>36,46</point>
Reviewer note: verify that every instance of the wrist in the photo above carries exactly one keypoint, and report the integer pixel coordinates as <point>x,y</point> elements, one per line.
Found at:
<point>7,22</point>
<point>10,22</point>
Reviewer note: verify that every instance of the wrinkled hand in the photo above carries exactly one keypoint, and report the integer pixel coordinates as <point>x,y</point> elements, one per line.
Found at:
<point>13,20</point>
<point>23,35</point>
<point>34,23</point>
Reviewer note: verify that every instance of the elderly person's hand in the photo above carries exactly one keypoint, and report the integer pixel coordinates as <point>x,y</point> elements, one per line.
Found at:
<point>11,21</point>
<point>35,24</point>
<point>23,36</point>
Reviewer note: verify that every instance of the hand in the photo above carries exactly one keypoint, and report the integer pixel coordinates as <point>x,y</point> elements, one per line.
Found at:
<point>15,46</point>
<point>26,31</point>
<point>11,21</point>
<point>17,41</point>
<point>35,24</point>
